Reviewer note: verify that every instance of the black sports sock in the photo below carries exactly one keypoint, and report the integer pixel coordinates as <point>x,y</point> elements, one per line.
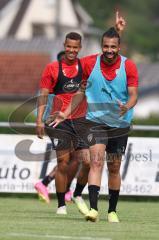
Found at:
<point>93,196</point>
<point>113,200</point>
<point>61,198</point>
<point>78,190</point>
<point>47,180</point>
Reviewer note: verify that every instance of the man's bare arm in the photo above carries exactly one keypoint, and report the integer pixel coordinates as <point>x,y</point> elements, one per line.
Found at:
<point>61,116</point>
<point>133,95</point>
<point>41,105</point>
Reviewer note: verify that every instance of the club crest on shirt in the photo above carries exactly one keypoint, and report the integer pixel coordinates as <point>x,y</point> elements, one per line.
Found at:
<point>90,137</point>
<point>56,141</point>
<point>117,71</point>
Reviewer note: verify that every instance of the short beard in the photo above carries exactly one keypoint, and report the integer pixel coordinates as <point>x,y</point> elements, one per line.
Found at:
<point>110,60</point>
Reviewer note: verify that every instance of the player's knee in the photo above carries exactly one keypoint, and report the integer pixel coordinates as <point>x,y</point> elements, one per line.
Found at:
<point>114,169</point>
<point>97,159</point>
<point>97,163</point>
<point>86,163</point>
<point>63,167</point>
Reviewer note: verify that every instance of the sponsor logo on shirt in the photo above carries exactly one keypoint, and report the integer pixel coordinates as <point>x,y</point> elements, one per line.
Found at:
<point>71,86</point>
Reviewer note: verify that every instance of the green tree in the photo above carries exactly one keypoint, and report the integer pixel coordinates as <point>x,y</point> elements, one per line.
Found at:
<point>142,32</point>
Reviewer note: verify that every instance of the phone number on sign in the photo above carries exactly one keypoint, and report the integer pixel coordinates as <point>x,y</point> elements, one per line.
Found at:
<point>136,189</point>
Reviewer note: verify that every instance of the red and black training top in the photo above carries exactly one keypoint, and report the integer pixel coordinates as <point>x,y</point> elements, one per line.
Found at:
<point>64,81</point>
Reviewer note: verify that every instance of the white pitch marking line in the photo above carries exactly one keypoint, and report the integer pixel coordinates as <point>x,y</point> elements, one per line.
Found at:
<point>53,236</point>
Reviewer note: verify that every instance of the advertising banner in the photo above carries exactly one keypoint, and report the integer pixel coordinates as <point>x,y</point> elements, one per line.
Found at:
<point>25,159</point>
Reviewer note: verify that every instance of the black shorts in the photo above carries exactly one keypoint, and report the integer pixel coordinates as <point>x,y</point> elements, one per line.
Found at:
<point>64,136</point>
<point>94,133</point>
<point>117,144</point>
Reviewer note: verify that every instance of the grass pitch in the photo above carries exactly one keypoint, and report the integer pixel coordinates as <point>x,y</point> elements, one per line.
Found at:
<point>30,219</point>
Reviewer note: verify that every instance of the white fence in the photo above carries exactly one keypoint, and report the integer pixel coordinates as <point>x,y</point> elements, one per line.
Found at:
<point>29,125</point>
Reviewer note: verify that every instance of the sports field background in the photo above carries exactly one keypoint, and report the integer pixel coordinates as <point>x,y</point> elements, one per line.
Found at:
<point>29,219</point>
